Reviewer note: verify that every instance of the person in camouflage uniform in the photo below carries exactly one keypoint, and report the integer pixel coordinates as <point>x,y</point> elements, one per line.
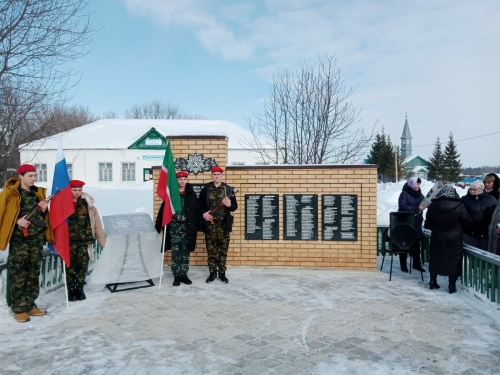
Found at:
<point>217,224</point>
<point>182,231</point>
<point>25,239</point>
<point>84,224</point>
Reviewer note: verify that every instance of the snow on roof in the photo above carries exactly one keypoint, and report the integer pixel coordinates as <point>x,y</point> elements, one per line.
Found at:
<point>122,133</point>
<point>420,169</point>
<point>410,158</point>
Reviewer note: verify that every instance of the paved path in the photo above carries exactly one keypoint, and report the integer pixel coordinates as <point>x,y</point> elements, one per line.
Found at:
<point>265,321</point>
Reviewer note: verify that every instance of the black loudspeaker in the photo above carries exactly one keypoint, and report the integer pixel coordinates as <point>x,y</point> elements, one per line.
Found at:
<point>402,229</point>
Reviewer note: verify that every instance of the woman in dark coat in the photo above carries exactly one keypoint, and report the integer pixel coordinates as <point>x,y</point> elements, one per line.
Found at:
<point>480,206</point>
<point>446,218</point>
<point>180,236</point>
<point>410,200</point>
<point>492,185</point>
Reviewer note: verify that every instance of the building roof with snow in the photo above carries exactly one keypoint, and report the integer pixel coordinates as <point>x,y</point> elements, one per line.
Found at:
<point>113,134</point>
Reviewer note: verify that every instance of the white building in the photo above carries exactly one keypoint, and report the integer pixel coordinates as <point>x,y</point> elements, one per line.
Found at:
<point>116,152</point>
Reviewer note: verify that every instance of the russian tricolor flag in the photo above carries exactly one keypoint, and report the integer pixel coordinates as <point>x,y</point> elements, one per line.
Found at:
<point>61,206</point>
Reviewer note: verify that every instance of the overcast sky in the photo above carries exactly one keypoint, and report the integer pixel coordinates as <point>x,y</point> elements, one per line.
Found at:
<point>437,60</point>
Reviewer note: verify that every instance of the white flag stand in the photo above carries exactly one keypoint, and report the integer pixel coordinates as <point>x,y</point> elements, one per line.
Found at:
<point>162,255</point>
<point>65,282</point>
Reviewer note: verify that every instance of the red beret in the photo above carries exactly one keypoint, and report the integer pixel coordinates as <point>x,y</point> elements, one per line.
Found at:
<point>217,169</point>
<point>76,183</point>
<point>181,174</point>
<point>23,168</point>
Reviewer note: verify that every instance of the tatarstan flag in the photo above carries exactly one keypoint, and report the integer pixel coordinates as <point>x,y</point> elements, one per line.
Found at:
<point>167,189</point>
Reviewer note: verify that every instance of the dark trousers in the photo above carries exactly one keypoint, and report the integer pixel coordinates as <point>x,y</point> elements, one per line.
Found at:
<point>180,253</point>
<point>25,259</point>
<point>79,264</point>
<point>217,241</point>
<point>415,253</point>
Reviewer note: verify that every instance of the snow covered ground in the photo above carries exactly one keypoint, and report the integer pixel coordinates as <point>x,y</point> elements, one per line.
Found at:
<point>265,321</point>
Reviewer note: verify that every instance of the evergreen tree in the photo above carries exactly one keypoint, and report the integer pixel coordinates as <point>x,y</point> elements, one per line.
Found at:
<point>436,161</point>
<point>452,162</point>
<point>380,155</point>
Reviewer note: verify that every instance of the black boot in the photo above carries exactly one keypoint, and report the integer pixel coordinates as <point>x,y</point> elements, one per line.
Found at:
<point>212,277</point>
<point>223,278</point>
<point>433,283</point>
<point>185,279</point>
<point>72,294</point>
<point>402,262</point>
<point>417,265</point>
<point>177,280</point>
<point>452,286</point>
<point>81,295</point>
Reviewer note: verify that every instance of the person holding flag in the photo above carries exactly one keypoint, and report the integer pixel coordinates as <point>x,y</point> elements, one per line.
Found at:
<point>25,238</point>
<point>84,225</point>
<point>182,231</point>
<point>61,207</point>
<point>168,191</point>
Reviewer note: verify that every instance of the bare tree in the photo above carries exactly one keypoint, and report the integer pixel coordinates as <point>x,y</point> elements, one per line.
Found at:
<point>38,41</point>
<point>156,109</point>
<point>308,119</point>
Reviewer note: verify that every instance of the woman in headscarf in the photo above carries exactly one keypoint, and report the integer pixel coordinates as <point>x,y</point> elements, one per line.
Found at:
<point>480,206</point>
<point>446,218</point>
<point>410,200</point>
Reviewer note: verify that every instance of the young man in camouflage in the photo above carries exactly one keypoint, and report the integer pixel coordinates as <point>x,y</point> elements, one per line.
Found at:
<point>84,224</point>
<point>25,239</point>
<point>217,223</point>
<point>182,231</point>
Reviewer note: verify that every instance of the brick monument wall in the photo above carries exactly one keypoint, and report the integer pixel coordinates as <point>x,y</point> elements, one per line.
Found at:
<point>360,180</point>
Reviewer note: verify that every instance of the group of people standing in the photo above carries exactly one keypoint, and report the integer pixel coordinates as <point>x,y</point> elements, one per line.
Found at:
<point>211,214</point>
<point>26,237</point>
<point>473,219</point>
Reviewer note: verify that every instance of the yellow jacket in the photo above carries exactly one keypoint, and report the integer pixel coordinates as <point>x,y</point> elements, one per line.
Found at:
<point>10,200</point>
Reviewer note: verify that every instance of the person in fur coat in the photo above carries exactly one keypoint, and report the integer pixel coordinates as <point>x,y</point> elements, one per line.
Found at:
<point>447,218</point>
<point>84,226</point>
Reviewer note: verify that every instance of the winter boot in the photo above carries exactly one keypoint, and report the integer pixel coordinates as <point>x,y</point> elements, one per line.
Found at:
<point>80,294</point>
<point>22,317</point>
<point>402,262</point>
<point>177,280</point>
<point>212,277</point>
<point>452,286</point>
<point>72,294</point>
<point>185,279</point>
<point>223,278</point>
<point>433,283</point>
<point>37,312</point>
<point>417,264</point>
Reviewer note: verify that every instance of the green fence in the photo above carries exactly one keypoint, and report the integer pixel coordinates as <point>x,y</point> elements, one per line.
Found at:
<point>481,269</point>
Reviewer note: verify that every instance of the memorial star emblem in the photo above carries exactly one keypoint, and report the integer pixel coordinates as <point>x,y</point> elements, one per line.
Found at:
<point>195,163</point>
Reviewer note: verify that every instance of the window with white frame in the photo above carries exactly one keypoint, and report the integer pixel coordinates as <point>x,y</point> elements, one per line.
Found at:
<point>41,172</point>
<point>105,171</point>
<point>70,170</point>
<point>128,171</point>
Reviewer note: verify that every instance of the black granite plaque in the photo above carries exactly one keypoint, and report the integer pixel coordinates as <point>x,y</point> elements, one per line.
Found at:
<point>340,217</point>
<point>261,217</point>
<point>300,216</point>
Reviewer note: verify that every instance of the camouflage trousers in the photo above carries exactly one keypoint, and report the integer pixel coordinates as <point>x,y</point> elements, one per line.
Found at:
<point>79,264</point>
<point>25,259</point>
<point>180,253</point>
<point>217,241</point>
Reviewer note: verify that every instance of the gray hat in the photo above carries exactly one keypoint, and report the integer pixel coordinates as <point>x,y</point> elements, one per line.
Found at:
<point>447,191</point>
<point>478,185</point>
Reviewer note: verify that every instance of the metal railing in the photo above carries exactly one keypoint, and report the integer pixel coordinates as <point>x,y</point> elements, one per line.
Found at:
<point>480,269</point>
<point>51,272</point>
